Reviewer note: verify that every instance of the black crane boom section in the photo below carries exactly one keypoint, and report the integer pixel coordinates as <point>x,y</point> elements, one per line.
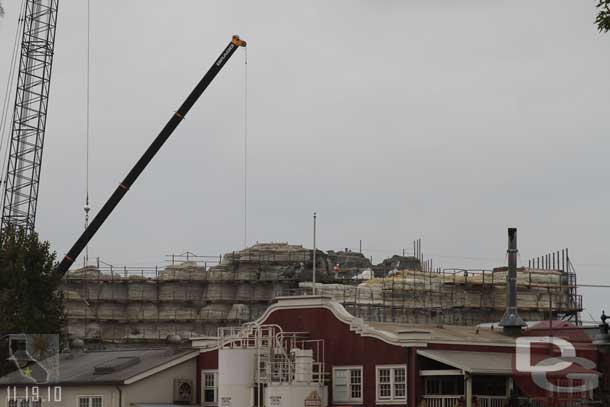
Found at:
<point>146,158</point>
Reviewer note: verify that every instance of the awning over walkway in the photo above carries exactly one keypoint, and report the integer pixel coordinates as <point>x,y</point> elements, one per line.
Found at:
<point>491,363</point>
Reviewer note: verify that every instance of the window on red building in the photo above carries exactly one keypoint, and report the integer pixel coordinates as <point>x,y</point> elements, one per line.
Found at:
<point>209,381</point>
<point>347,384</point>
<point>391,383</point>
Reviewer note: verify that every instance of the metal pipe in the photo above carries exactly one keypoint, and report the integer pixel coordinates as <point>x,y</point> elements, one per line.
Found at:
<point>120,395</point>
<point>511,321</point>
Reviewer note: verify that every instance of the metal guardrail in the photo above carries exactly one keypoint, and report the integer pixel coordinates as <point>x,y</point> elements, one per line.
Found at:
<point>493,401</point>
<point>442,401</point>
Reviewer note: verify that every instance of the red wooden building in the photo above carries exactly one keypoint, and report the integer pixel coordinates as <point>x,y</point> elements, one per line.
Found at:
<point>376,364</point>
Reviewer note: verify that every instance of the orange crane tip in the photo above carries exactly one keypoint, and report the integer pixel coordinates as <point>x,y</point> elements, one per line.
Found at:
<point>238,41</point>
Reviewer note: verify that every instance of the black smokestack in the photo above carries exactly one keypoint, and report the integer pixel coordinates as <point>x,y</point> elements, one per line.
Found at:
<point>511,321</point>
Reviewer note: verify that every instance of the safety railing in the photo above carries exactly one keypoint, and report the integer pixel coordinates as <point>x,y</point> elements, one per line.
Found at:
<point>491,401</point>
<point>442,401</point>
<point>275,352</point>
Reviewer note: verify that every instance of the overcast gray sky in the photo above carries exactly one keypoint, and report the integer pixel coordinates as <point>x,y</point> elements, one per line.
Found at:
<point>446,120</point>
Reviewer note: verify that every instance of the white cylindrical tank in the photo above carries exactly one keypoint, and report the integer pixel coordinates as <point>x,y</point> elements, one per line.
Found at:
<point>303,365</point>
<point>235,377</point>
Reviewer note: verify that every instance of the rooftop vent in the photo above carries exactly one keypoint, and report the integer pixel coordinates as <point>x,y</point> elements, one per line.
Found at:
<point>116,365</point>
<point>413,331</point>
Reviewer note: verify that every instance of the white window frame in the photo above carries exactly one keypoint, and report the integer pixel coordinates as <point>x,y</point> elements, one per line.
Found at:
<point>90,397</point>
<point>349,384</point>
<point>204,388</point>
<point>393,399</point>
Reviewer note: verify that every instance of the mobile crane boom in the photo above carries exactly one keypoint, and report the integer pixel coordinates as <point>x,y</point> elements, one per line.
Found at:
<point>148,155</point>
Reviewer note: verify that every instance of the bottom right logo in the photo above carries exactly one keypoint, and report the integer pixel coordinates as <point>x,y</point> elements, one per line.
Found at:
<point>556,370</point>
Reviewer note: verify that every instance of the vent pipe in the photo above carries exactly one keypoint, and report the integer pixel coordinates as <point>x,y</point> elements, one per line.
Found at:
<point>173,342</point>
<point>511,321</point>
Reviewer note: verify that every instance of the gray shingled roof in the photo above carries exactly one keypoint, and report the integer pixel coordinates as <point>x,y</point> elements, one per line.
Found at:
<point>446,333</point>
<point>79,368</point>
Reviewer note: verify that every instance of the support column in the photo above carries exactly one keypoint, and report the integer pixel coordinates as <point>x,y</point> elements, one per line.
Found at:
<point>412,376</point>
<point>468,389</point>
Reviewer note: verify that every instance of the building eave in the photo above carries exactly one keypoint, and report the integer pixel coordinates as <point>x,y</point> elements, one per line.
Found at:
<point>357,325</point>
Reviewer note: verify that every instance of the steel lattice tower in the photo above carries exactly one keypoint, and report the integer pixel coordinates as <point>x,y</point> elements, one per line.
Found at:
<point>30,114</point>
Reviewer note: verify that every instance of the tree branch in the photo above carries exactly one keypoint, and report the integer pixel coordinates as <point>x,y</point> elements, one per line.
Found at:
<point>603,17</point>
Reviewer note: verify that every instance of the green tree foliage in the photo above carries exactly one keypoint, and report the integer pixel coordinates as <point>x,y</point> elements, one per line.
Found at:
<point>30,301</point>
<point>603,17</point>
<point>1,10</point>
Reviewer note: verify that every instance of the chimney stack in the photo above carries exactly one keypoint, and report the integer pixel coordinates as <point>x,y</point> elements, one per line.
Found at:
<point>511,321</point>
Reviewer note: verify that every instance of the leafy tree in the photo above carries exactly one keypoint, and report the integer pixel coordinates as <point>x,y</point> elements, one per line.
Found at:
<point>30,301</point>
<point>1,10</point>
<point>603,17</point>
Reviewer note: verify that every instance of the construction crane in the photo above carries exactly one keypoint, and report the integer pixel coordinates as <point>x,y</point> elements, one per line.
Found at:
<point>146,158</point>
<point>30,115</point>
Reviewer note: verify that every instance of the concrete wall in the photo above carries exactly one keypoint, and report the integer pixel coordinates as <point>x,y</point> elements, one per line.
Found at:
<point>152,309</point>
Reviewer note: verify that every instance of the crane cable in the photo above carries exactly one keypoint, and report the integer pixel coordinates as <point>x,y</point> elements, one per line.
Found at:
<point>4,138</point>
<point>245,147</point>
<point>87,208</point>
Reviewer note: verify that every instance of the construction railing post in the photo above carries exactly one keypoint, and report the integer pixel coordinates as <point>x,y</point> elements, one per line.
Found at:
<point>314,255</point>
